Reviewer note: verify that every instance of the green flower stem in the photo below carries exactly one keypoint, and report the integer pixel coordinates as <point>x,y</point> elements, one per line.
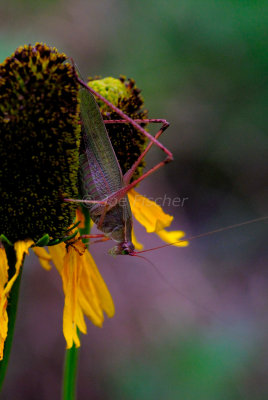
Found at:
<point>71,355</point>
<point>86,229</point>
<point>70,373</point>
<point>11,310</point>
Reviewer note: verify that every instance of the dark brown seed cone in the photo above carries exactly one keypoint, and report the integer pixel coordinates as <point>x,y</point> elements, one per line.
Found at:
<point>39,143</point>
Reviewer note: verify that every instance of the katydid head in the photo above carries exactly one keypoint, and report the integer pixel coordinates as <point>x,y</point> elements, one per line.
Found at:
<point>122,234</point>
<point>125,248</point>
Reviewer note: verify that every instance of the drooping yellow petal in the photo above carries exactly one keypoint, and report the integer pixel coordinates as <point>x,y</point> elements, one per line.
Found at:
<point>70,278</point>
<point>88,296</point>
<point>81,321</point>
<point>3,300</point>
<point>84,289</point>
<point>3,268</point>
<point>80,217</point>
<point>148,213</point>
<point>138,245</point>
<point>43,256</point>
<point>57,254</point>
<point>105,299</point>
<point>21,248</point>
<point>173,237</point>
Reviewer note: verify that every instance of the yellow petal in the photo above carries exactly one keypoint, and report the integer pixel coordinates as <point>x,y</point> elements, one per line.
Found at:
<point>81,321</point>
<point>84,289</point>
<point>57,254</point>
<point>80,217</point>
<point>21,248</point>
<point>3,300</point>
<point>69,276</point>
<point>138,245</point>
<point>3,268</point>
<point>172,237</point>
<point>43,256</point>
<point>88,298</point>
<point>148,213</point>
<point>3,322</point>
<point>105,299</point>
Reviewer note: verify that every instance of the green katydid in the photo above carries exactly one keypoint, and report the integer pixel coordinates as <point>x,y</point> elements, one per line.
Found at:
<point>103,186</point>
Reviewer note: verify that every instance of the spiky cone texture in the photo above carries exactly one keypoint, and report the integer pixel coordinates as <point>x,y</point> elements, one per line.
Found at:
<point>127,141</point>
<point>39,143</point>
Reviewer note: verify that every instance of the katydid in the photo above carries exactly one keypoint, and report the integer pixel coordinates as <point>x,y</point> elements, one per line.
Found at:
<point>103,186</point>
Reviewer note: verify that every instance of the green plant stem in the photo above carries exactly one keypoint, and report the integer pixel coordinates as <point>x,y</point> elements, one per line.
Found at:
<point>70,374</point>
<point>86,229</point>
<point>11,310</point>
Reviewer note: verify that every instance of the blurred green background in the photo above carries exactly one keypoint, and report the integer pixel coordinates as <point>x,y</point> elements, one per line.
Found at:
<point>201,65</point>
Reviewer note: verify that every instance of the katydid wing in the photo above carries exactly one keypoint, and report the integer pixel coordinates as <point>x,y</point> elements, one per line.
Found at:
<point>101,177</point>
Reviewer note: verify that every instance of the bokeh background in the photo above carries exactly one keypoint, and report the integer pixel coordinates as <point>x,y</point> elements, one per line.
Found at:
<point>201,331</point>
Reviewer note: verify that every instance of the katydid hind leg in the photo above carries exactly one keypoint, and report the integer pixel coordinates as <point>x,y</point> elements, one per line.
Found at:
<point>102,217</point>
<point>92,236</point>
<point>115,197</point>
<point>169,156</point>
<point>128,175</point>
<point>101,237</point>
<point>104,203</point>
<point>85,201</point>
<point>104,239</point>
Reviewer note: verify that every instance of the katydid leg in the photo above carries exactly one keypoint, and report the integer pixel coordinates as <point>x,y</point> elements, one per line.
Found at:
<point>103,202</point>
<point>105,239</point>
<point>101,238</point>
<point>139,121</point>
<point>128,175</point>
<point>130,121</point>
<point>104,212</point>
<point>115,197</point>
<point>92,236</point>
<point>122,192</point>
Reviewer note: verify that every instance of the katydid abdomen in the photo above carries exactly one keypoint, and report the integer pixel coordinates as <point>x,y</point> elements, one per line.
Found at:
<point>101,177</point>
